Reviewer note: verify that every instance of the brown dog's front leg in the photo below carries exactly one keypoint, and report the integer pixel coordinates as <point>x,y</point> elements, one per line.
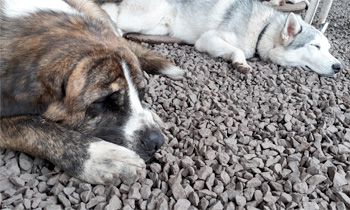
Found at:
<point>88,158</point>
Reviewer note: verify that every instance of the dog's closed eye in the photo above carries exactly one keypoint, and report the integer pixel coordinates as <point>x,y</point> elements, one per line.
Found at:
<point>317,46</point>
<point>112,102</point>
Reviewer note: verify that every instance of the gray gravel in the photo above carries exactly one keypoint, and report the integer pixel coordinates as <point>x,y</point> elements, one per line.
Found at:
<point>278,138</point>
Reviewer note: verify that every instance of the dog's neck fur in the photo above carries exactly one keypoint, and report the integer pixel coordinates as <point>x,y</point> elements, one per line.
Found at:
<point>270,39</point>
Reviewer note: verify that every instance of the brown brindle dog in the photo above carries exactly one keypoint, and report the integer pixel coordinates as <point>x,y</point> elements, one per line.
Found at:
<point>69,90</point>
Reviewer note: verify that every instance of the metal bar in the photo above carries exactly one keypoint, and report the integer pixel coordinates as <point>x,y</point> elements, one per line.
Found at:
<point>310,13</point>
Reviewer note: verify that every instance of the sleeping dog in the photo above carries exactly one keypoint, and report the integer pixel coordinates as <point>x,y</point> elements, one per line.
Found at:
<point>70,90</point>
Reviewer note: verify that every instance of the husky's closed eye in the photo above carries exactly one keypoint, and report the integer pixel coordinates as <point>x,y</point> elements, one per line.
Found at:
<point>317,46</point>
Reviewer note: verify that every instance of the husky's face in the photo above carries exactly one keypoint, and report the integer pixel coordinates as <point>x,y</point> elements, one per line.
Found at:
<point>315,56</point>
<point>305,46</point>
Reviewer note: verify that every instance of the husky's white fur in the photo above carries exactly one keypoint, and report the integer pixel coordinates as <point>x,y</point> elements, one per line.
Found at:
<point>232,29</point>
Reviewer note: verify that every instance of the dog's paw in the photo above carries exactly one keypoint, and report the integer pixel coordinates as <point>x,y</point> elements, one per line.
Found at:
<point>108,161</point>
<point>241,67</point>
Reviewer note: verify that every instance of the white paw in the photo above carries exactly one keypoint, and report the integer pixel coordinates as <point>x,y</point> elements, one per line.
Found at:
<point>109,161</point>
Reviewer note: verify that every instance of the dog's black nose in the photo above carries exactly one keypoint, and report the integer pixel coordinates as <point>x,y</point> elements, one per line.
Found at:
<point>153,141</point>
<point>337,67</point>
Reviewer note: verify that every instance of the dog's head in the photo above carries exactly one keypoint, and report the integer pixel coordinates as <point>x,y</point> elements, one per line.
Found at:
<point>303,45</point>
<point>102,98</point>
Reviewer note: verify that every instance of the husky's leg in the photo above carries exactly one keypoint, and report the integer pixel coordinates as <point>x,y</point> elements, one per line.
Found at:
<point>216,44</point>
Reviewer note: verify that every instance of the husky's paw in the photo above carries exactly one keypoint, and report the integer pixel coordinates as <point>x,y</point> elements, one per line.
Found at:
<point>241,67</point>
<point>110,161</point>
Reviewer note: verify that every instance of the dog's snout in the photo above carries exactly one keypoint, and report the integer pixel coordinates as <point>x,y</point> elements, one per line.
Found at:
<point>337,67</point>
<point>153,141</point>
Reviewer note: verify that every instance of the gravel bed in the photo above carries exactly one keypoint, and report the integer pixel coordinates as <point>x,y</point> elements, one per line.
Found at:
<point>278,138</point>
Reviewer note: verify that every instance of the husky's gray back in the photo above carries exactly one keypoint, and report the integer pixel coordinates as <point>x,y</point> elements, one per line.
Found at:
<point>237,16</point>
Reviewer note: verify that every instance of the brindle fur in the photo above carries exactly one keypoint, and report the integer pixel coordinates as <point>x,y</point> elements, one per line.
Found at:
<point>62,81</point>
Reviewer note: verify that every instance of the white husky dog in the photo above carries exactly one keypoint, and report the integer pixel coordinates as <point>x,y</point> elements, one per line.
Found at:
<point>232,29</point>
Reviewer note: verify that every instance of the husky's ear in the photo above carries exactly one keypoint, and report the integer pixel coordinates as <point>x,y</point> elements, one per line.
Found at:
<point>323,28</point>
<point>154,63</point>
<point>291,28</point>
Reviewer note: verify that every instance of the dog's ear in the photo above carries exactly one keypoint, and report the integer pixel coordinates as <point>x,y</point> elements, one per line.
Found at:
<point>290,29</point>
<point>154,63</point>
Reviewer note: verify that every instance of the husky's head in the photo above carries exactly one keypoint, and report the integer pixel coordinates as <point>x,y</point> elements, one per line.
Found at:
<point>303,45</point>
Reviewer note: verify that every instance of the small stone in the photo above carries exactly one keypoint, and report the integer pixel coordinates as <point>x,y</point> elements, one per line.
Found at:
<point>57,189</point>
<point>162,204</point>
<point>53,207</point>
<point>42,187</point>
<point>82,206</point>
<point>205,172</point>
<point>101,206</point>
<point>16,198</point>
<point>285,197</point>
<point>145,191</point>
<point>269,198</point>
<point>68,190</point>
<point>271,128</point>
<point>206,192</point>
<point>343,197</point>
<point>186,162</point>
<point>241,200</point>
<point>64,200</point>
<point>316,179</point>
<point>204,203</point>
<point>156,168</point>
<point>194,198</point>
<point>225,178</point>
<point>134,192</point>
<point>343,149</point>
<point>253,183</point>
<point>287,117</point>
<point>182,204</point>
<point>53,180</point>
<point>85,196</point>
<point>310,205</point>
<point>25,162</point>
<point>276,186</point>
<point>98,190</point>
<point>223,158</point>
<point>300,187</point>
<point>114,203</point>
<point>339,180</point>
<point>176,187</point>
<point>94,201</point>
<point>35,202</point>
<point>124,188</point>
<point>258,196</point>
<point>216,206</point>
<point>26,203</point>
<point>17,181</point>
<point>5,184</point>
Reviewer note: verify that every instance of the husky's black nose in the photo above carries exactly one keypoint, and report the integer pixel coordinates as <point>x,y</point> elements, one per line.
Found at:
<point>337,67</point>
<point>152,141</point>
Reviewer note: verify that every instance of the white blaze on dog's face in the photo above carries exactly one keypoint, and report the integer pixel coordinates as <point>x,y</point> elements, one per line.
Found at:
<point>140,123</point>
<point>304,46</point>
